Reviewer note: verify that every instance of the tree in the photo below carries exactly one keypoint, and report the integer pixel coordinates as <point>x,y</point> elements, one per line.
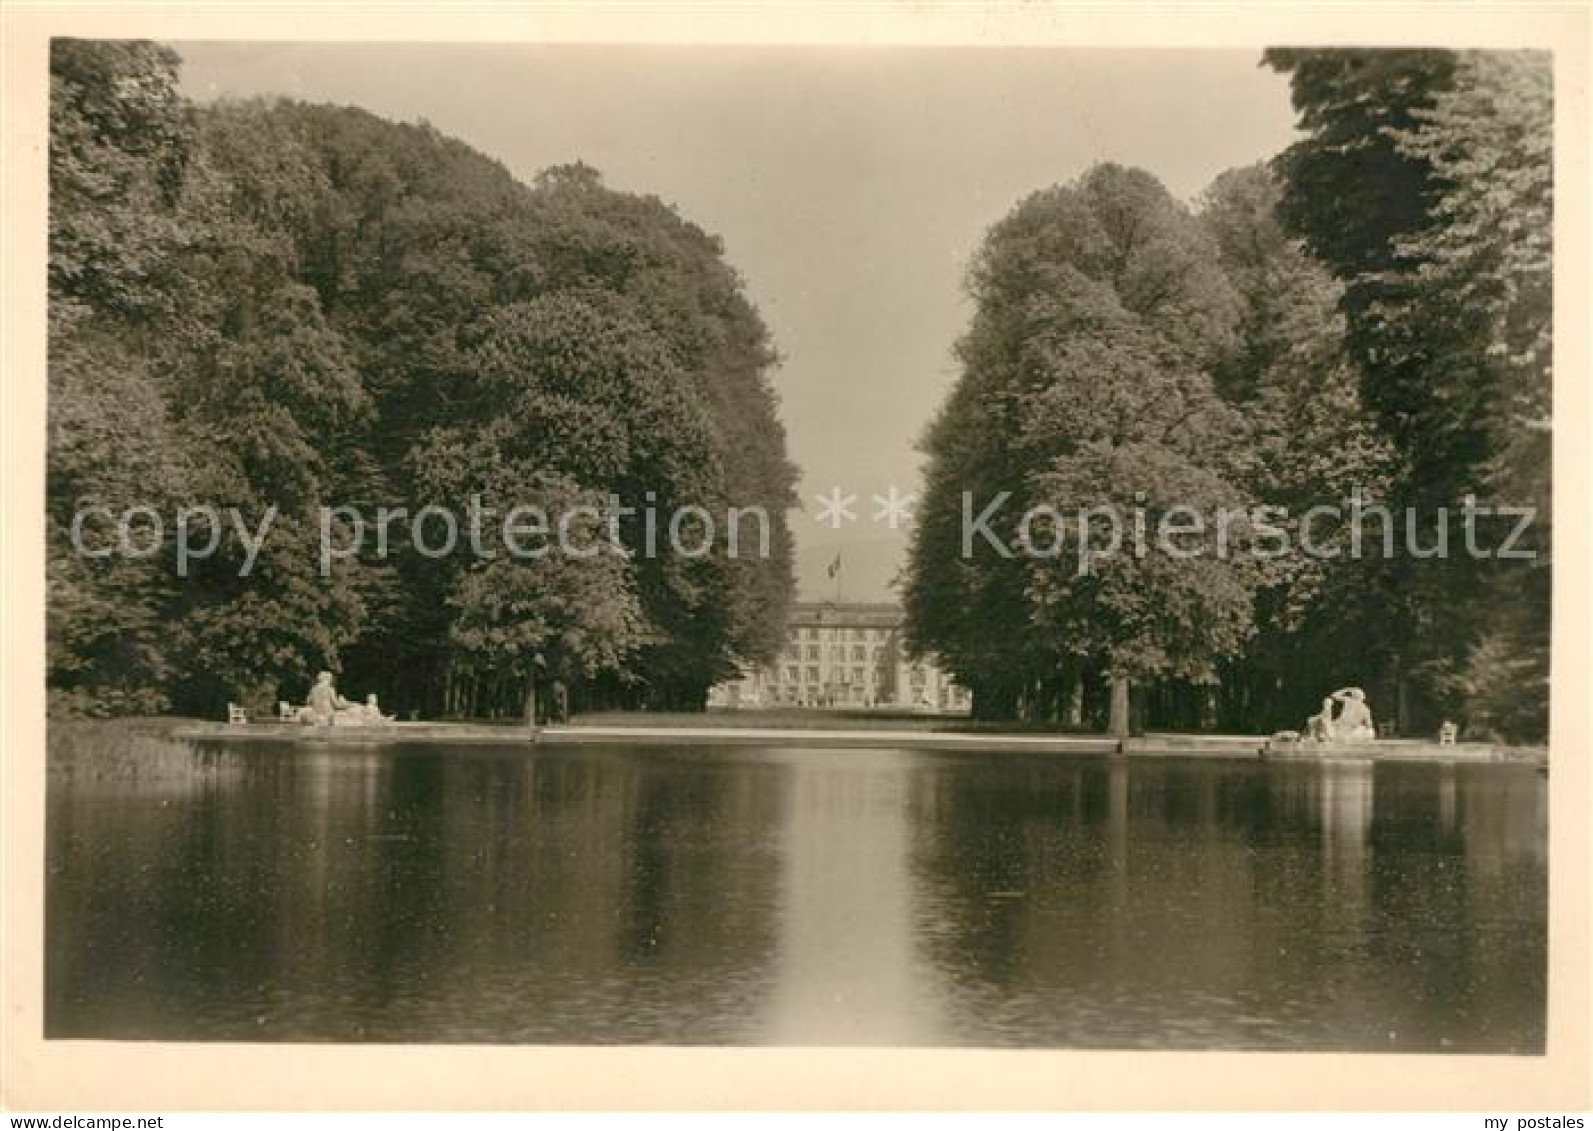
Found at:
<point>571,386</point>
<point>1445,274</point>
<point>1312,442</point>
<point>1086,382</point>
<point>120,140</point>
<point>1482,277</point>
<point>1150,617</point>
<point>265,304</point>
<point>118,143</point>
<point>673,276</point>
<point>112,446</point>
<point>552,615</point>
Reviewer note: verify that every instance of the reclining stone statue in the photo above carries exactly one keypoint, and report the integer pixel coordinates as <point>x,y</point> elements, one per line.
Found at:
<point>1353,723</point>
<point>325,707</point>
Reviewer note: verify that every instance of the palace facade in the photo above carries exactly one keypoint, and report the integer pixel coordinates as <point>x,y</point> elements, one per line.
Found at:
<point>845,655</point>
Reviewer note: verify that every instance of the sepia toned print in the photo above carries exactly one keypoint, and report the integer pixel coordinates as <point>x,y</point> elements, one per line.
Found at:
<point>926,550</point>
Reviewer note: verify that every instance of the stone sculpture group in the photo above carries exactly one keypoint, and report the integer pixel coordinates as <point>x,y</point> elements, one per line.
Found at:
<point>325,707</point>
<point>1353,723</point>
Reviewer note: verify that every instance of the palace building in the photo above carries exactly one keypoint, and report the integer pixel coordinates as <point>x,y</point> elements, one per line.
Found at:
<point>844,655</point>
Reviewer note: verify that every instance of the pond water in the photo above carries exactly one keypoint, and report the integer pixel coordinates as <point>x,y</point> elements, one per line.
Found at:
<point>721,895</point>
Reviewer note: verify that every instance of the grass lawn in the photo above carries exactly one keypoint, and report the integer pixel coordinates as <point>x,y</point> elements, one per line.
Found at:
<point>770,718</point>
<point>805,718</point>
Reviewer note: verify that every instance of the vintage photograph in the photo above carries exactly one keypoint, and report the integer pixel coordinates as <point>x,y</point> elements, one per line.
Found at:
<point>915,547</point>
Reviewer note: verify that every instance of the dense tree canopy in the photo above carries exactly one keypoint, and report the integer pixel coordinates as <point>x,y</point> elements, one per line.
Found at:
<point>282,308</point>
<point>1365,323</point>
<point>1086,384</point>
<point>275,305</point>
<point>1448,321</point>
<point>1312,442</point>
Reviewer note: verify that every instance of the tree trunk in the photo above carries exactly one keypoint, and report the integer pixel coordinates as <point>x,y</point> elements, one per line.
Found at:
<point>531,706</point>
<point>1117,724</point>
<point>1401,719</point>
<point>1075,701</point>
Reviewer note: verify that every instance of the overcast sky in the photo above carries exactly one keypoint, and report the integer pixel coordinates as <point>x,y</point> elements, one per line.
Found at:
<point>851,187</point>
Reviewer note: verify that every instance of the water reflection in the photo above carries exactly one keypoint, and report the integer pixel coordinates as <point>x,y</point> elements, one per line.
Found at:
<point>848,968</point>
<point>799,896</point>
<point>1168,904</point>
